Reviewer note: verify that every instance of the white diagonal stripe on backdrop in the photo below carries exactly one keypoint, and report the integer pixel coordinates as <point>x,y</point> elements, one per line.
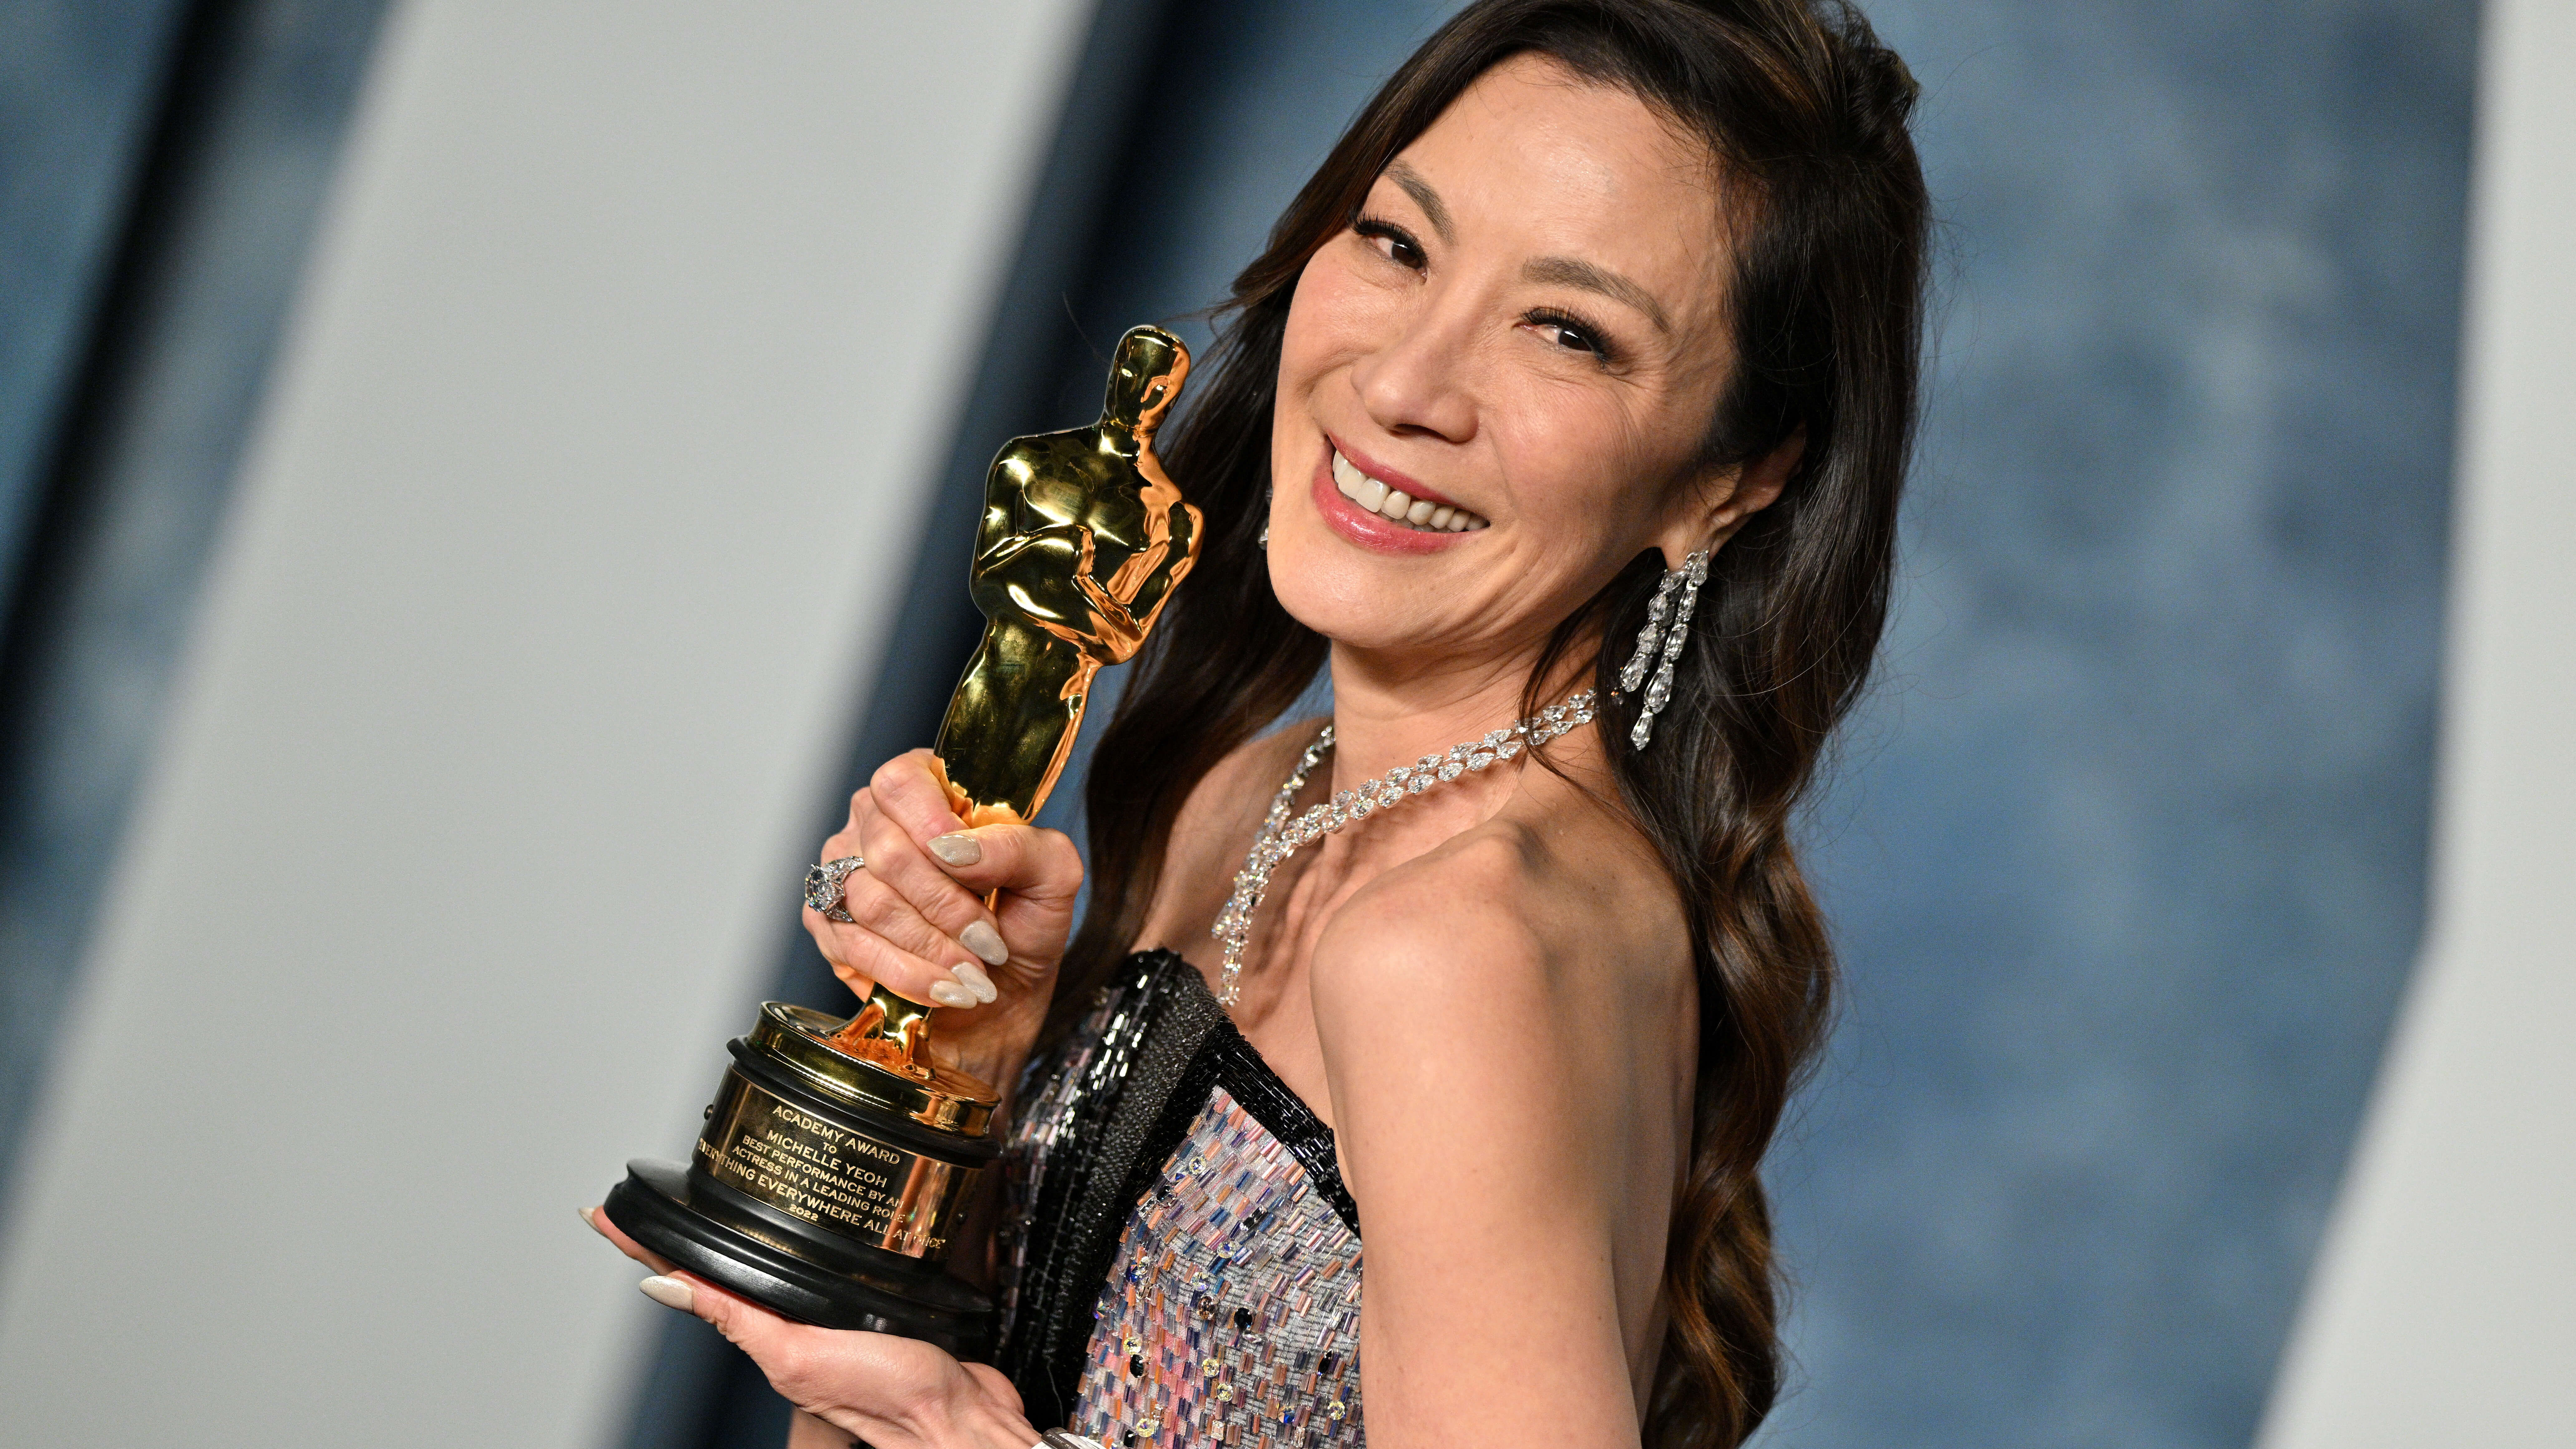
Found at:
<point>2440,1312</point>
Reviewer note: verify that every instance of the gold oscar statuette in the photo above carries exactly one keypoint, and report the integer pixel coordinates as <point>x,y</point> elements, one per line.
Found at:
<point>838,1156</point>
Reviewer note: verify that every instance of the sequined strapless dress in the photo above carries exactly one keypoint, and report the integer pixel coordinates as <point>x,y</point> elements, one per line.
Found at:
<point>1182,1261</point>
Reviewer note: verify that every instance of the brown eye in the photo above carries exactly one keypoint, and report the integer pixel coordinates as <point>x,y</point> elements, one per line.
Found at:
<point>1571,333</point>
<point>1392,242</point>
<point>1573,337</point>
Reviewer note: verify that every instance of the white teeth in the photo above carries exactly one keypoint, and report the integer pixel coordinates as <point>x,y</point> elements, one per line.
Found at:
<point>1357,486</point>
<point>1394,503</point>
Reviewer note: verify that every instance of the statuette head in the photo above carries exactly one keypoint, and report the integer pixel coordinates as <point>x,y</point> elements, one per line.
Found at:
<point>1144,378</point>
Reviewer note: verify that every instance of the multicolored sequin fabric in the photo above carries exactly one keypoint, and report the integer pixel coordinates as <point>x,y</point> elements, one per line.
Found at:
<point>1182,1264</point>
<point>1233,1309</point>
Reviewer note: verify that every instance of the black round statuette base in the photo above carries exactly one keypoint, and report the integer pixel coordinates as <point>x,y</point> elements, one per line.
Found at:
<point>682,1216</point>
<point>825,1186</point>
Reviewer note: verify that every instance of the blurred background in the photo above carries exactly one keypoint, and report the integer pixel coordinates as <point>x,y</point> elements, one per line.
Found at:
<point>479,485</point>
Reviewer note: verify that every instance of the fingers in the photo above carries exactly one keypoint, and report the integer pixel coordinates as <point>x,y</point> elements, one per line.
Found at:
<point>1039,876</point>
<point>910,899</point>
<point>773,1342</point>
<point>997,1386</point>
<point>1038,871</point>
<point>599,1223</point>
<point>859,956</point>
<point>918,922</point>
<point>907,790</point>
<point>919,906</point>
<point>910,926</point>
<point>1034,864</point>
<point>844,1375</point>
<point>907,794</point>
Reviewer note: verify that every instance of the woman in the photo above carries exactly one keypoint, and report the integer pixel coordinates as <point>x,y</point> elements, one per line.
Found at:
<point>1627,292</point>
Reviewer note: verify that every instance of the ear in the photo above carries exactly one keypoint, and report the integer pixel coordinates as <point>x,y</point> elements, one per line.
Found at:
<point>1720,504</point>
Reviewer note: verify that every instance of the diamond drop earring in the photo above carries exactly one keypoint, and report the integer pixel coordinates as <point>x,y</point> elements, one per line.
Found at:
<point>1659,644</point>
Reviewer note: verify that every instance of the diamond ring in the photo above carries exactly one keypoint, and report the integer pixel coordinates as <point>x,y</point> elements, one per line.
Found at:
<point>825,885</point>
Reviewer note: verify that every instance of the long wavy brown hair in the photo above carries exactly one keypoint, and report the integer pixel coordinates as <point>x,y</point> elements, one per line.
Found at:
<point>1806,115</point>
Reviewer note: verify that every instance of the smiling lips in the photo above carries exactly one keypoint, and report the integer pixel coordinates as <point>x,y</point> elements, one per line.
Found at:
<point>1391,503</point>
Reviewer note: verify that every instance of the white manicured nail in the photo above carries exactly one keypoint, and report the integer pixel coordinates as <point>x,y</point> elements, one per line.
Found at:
<point>670,1293</point>
<point>949,993</point>
<point>986,943</point>
<point>957,848</point>
<point>974,979</point>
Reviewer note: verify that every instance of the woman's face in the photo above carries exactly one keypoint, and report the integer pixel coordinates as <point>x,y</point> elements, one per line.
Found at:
<point>1523,331</point>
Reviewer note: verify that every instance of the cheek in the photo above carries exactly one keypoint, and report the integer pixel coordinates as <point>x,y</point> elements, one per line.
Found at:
<point>1331,318</point>
<point>1580,466</point>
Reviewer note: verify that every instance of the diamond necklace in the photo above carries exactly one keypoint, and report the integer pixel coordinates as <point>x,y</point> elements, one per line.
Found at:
<point>1282,837</point>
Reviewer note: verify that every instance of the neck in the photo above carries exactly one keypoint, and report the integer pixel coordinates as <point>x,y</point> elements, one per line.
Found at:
<point>1388,713</point>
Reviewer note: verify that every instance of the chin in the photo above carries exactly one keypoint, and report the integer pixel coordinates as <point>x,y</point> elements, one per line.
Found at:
<point>1347,600</point>
<point>1372,604</point>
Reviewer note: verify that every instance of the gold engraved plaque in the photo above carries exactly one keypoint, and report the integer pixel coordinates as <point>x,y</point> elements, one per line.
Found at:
<point>763,1147</point>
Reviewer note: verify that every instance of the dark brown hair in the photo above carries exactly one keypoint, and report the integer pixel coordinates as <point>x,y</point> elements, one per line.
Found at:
<point>1806,115</point>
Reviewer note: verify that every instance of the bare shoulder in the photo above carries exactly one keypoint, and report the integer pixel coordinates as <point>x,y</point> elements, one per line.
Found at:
<point>1510,938</point>
<point>1508,1032</point>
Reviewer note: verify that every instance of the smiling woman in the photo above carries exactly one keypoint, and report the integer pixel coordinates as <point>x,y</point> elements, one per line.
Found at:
<point>1599,325</point>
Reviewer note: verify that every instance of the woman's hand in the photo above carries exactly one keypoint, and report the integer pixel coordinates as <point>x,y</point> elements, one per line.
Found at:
<point>889,1392</point>
<point>918,922</point>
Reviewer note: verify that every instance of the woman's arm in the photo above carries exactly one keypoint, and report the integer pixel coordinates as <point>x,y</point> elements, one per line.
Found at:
<point>1511,1141</point>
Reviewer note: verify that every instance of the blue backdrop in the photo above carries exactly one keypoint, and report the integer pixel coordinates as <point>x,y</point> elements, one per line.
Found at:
<point>2127,857</point>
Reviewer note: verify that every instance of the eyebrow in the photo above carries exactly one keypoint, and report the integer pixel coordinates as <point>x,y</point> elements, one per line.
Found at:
<point>1546,271</point>
<point>1570,272</point>
<point>1423,196</point>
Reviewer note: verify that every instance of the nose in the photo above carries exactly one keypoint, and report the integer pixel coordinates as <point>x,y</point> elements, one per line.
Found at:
<point>1415,381</point>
